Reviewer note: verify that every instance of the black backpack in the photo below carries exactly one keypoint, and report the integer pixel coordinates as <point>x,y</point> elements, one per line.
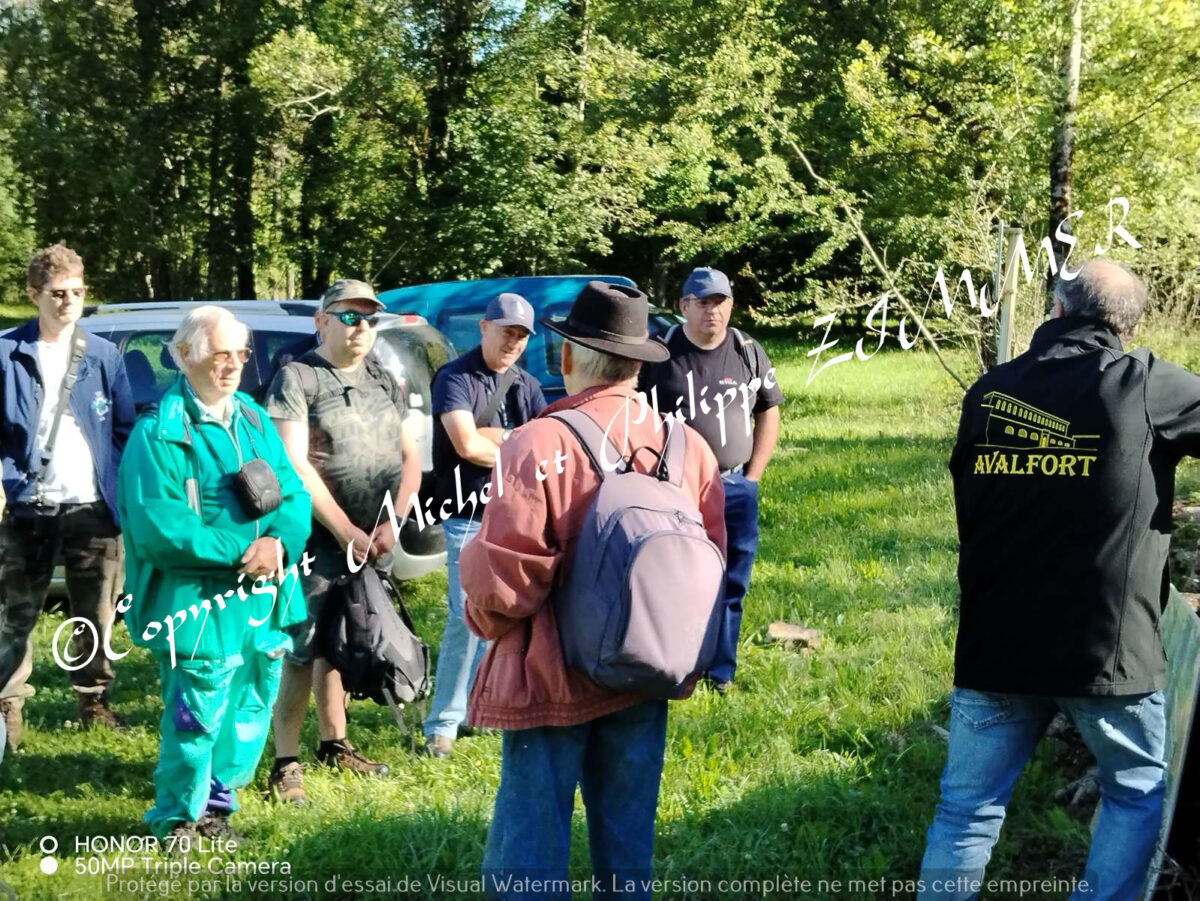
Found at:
<point>366,634</point>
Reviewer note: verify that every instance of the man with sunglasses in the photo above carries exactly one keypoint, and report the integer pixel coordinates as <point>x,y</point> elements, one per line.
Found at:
<point>721,383</point>
<point>340,415</point>
<point>66,411</point>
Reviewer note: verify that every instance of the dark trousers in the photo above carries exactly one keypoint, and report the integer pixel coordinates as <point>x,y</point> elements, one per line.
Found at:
<point>741,540</point>
<point>89,544</point>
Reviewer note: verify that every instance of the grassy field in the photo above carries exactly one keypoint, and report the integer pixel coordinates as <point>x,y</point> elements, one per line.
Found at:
<point>820,766</point>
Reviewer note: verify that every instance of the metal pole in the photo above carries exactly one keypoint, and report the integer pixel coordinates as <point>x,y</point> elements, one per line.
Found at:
<point>1007,294</point>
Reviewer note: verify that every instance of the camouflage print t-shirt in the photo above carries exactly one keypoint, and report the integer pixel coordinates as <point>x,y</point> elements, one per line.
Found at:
<point>354,429</point>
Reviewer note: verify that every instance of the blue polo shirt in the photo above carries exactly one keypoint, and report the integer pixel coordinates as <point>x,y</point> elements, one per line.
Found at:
<point>466,383</point>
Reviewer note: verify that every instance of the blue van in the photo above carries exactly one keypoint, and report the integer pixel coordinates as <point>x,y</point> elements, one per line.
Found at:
<point>455,308</point>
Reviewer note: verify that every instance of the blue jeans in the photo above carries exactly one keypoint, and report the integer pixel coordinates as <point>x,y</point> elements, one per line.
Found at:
<point>617,761</point>
<point>461,650</point>
<point>741,540</point>
<point>992,737</point>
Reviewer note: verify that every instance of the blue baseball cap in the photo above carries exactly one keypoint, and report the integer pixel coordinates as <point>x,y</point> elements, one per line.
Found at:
<point>706,282</point>
<point>510,309</point>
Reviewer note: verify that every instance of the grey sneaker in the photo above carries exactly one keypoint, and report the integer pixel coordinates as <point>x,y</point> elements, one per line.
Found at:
<point>439,747</point>
<point>286,784</point>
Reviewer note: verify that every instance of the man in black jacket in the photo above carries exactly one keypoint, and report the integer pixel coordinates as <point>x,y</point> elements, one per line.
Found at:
<point>1064,474</point>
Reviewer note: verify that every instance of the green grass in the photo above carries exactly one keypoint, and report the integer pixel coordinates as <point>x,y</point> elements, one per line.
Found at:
<point>818,766</point>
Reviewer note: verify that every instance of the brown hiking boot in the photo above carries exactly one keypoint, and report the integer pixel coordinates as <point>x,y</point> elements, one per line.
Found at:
<point>10,708</point>
<point>93,711</point>
<point>286,783</point>
<point>343,756</point>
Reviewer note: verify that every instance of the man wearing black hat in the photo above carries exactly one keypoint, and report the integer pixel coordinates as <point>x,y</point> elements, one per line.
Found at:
<point>478,399</point>
<point>561,728</point>
<point>721,382</point>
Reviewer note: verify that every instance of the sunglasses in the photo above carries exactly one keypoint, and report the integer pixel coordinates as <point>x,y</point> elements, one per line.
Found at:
<point>61,294</point>
<point>224,356</point>
<point>352,319</point>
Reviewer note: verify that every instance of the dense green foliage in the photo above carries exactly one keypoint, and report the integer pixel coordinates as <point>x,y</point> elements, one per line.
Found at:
<point>211,148</point>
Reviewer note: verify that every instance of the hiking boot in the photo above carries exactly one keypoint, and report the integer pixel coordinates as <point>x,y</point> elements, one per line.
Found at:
<point>439,747</point>
<point>286,784</point>
<point>343,756</point>
<point>93,711</point>
<point>10,708</point>
<point>215,824</point>
<point>182,839</point>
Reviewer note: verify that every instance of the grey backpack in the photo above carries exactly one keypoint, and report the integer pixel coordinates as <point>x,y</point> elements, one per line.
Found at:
<point>640,607</point>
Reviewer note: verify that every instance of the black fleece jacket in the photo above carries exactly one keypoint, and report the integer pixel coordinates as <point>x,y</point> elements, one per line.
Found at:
<point>1064,475</point>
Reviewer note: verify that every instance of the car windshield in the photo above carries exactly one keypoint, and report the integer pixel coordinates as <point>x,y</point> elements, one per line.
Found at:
<point>151,369</point>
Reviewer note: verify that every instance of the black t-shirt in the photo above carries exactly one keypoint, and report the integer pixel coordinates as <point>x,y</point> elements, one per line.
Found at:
<point>466,383</point>
<point>711,390</point>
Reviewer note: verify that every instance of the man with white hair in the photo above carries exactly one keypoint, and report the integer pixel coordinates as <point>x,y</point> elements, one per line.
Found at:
<point>213,513</point>
<point>1064,476</point>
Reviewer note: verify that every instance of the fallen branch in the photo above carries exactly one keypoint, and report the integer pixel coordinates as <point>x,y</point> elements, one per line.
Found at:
<point>855,220</point>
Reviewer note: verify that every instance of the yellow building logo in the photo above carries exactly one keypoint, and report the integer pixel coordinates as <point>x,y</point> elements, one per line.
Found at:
<point>1013,425</point>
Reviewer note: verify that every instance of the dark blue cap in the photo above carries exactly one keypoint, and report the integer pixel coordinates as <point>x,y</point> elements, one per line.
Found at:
<point>705,282</point>
<point>510,309</point>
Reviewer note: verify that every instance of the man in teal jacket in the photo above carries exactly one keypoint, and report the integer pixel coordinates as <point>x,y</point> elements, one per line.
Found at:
<point>213,584</point>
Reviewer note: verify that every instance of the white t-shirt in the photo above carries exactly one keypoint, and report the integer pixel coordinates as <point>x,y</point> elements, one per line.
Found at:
<point>71,476</point>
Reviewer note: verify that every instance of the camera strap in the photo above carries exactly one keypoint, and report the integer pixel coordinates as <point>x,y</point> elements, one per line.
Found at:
<point>78,349</point>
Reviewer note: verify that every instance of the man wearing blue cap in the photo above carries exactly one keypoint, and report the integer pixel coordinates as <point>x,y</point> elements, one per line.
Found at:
<point>478,399</point>
<point>721,382</point>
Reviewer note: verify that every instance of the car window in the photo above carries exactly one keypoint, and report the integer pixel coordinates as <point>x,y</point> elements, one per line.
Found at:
<point>413,355</point>
<point>462,328</point>
<point>151,370</point>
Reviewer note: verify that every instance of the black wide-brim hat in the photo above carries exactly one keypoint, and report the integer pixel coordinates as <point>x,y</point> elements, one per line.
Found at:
<point>613,319</point>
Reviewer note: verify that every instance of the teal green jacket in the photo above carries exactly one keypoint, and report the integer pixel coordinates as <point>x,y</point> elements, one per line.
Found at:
<point>185,532</point>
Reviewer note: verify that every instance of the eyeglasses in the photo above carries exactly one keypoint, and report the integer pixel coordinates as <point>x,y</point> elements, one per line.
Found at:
<point>61,294</point>
<point>224,356</point>
<point>351,319</point>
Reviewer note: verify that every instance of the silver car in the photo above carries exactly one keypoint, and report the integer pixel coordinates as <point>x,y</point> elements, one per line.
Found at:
<point>407,346</point>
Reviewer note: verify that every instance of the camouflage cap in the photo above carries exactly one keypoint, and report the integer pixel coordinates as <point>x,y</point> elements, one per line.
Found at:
<point>349,289</point>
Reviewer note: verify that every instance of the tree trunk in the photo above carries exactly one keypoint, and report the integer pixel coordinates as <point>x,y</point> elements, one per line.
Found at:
<point>1064,146</point>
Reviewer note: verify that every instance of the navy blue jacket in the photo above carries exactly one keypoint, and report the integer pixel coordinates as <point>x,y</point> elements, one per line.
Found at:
<point>101,401</point>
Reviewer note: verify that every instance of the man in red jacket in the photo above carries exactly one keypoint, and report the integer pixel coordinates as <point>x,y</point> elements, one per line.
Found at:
<point>560,728</point>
